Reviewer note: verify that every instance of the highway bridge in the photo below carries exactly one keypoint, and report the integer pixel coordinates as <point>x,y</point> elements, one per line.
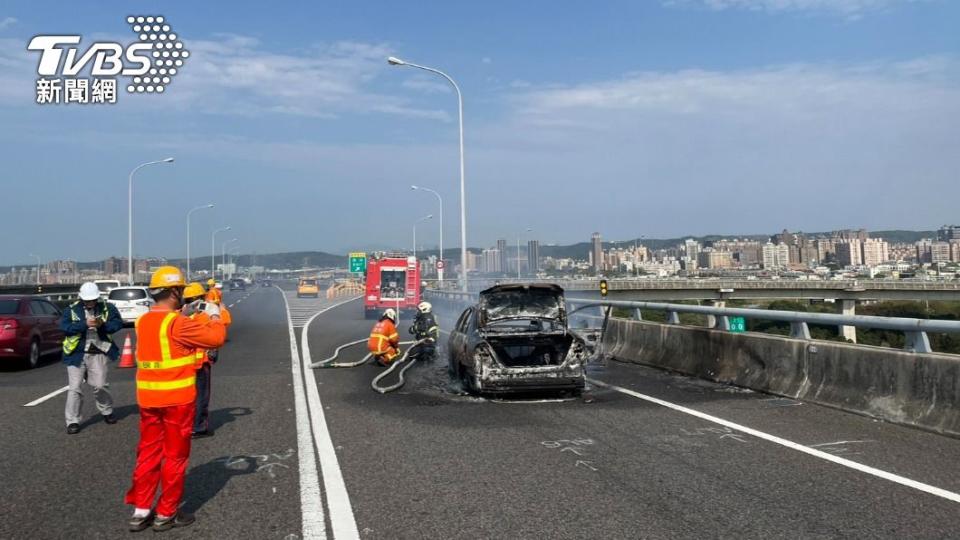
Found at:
<point>303,453</point>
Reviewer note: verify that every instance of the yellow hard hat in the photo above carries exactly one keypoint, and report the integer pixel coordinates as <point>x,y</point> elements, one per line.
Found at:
<point>194,290</point>
<point>167,277</point>
<point>211,282</point>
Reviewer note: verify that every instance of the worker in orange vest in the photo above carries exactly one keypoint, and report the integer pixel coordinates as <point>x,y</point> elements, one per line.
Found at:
<point>213,293</point>
<point>384,342</point>
<point>167,345</point>
<point>195,308</point>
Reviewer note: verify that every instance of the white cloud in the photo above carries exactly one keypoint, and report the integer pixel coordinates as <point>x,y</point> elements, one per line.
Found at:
<point>7,22</point>
<point>848,8</point>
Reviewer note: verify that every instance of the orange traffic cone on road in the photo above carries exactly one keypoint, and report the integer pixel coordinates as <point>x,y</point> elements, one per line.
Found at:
<point>126,358</point>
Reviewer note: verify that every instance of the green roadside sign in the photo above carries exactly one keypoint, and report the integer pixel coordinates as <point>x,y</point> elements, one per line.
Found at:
<point>738,325</point>
<point>358,262</point>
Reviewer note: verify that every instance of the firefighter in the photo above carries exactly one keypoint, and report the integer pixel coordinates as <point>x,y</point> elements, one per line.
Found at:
<point>384,340</point>
<point>167,345</point>
<point>425,328</point>
<point>194,307</point>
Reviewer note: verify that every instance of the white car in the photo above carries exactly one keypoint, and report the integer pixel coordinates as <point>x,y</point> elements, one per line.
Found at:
<point>105,286</point>
<point>131,302</point>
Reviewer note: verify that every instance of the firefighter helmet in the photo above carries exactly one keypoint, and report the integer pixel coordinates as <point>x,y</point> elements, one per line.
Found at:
<point>424,307</point>
<point>390,314</point>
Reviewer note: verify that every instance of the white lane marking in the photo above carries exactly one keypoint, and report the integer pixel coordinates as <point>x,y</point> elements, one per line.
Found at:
<point>342,520</point>
<point>311,504</point>
<point>55,393</point>
<point>920,486</point>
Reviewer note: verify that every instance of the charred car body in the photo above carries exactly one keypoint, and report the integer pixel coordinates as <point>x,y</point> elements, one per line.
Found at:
<point>516,339</point>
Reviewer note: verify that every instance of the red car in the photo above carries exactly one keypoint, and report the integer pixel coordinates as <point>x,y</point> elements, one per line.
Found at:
<point>29,328</point>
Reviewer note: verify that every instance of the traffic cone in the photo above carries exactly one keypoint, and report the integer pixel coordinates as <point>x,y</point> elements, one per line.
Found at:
<point>126,358</point>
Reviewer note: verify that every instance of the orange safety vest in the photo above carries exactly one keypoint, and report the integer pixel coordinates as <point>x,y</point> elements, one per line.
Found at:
<point>201,354</point>
<point>383,337</point>
<point>162,380</point>
<point>214,295</point>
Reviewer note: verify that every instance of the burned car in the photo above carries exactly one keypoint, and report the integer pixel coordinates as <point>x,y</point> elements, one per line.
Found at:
<point>516,339</point>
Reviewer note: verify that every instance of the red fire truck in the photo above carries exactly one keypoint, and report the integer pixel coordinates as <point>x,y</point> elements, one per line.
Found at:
<point>393,281</point>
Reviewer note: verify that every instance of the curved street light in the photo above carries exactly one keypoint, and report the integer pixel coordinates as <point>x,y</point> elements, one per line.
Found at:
<point>213,250</point>
<point>424,218</point>
<point>130,214</point>
<point>440,199</point>
<point>394,61</point>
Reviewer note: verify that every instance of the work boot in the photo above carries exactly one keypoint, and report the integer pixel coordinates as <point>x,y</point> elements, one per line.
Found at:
<point>73,429</point>
<point>182,519</point>
<point>138,524</point>
<point>108,418</point>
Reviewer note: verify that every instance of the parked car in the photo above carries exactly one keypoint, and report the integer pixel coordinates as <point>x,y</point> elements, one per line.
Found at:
<point>29,329</point>
<point>516,339</point>
<point>105,286</point>
<point>308,287</point>
<point>238,285</point>
<point>131,302</point>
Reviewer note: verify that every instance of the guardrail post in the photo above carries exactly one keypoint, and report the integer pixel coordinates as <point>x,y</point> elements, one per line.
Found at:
<point>918,342</point>
<point>723,323</point>
<point>673,317</point>
<point>638,314</point>
<point>800,330</point>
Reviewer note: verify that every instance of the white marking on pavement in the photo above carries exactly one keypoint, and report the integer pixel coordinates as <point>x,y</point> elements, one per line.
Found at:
<point>920,486</point>
<point>311,504</point>
<point>55,393</point>
<point>342,520</point>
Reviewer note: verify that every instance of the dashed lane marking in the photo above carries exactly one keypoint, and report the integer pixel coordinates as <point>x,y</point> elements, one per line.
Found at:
<point>55,393</point>
<point>895,478</point>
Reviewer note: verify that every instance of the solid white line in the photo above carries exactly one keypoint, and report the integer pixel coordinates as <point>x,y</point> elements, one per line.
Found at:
<point>926,488</point>
<point>342,521</point>
<point>36,402</point>
<point>311,504</point>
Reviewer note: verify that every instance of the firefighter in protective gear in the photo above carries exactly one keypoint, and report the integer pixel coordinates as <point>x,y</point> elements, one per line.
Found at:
<point>384,342</point>
<point>425,328</point>
<point>194,307</point>
<point>167,346</point>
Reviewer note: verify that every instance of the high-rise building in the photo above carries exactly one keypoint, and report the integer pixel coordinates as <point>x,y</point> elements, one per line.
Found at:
<point>875,251</point>
<point>924,248</point>
<point>711,258</point>
<point>597,252</point>
<point>826,249</point>
<point>939,252</point>
<point>850,252</point>
<point>502,255</point>
<point>850,234</point>
<point>775,256</point>
<point>491,261</point>
<point>533,256</point>
<point>948,233</point>
<point>955,250</point>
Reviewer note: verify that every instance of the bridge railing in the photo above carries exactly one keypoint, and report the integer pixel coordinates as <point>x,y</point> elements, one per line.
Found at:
<point>59,294</point>
<point>625,284</point>
<point>915,330</point>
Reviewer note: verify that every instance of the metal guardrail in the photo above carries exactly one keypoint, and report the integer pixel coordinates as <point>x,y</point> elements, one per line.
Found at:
<point>61,294</point>
<point>915,329</point>
<point>620,284</point>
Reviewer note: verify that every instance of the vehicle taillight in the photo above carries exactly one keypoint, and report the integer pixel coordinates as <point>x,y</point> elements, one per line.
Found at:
<point>8,328</point>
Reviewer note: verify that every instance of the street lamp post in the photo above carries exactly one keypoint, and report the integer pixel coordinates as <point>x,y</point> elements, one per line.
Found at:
<point>38,266</point>
<point>518,253</point>
<point>130,214</point>
<point>393,61</point>
<point>223,251</point>
<point>440,199</point>
<point>188,233</point>
<point>213,251</point>
<point>424,218</point>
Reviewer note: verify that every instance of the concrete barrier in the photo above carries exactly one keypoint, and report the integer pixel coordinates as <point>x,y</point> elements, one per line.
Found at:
<point>921,390</point>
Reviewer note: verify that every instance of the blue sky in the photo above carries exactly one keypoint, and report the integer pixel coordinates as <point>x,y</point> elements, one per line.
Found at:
<point>657,118</point>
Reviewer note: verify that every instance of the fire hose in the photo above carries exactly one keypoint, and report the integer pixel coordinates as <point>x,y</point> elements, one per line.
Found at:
<point>329,363</point>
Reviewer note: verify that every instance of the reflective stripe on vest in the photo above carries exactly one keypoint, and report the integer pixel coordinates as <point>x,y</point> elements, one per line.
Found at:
<point>70,343</point>
<point>162,380</point>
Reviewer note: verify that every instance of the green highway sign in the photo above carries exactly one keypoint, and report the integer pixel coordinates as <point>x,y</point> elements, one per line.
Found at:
<point>738,325</point>
<point>358,262</point>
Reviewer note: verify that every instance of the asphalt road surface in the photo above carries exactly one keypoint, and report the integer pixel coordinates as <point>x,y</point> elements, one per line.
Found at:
<point>319,454</point>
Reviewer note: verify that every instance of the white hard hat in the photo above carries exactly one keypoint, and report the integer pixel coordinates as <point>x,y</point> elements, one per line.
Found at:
<point>219,285</point>
<point>89,292</point>
<point>424,307</point>
<point>390,314</point>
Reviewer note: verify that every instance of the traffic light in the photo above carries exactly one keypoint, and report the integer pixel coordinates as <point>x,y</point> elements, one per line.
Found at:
<point>603,287</point>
